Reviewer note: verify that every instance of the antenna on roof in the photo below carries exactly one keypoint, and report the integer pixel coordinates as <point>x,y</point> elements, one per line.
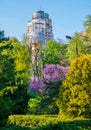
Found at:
<point>41,9</point>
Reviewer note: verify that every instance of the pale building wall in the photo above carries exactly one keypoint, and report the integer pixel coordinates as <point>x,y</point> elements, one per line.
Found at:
<point>39,29</point>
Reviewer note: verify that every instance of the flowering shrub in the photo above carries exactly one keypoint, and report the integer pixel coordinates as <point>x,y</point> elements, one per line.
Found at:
<point>48,86</point>
<point>50,74</point>
<point>53,73</point>
<point>37,85</point>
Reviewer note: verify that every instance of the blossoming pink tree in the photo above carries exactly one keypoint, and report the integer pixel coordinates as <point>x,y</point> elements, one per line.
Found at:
<point>37,85</point>
<point>48,86</point>
<point>51,75</point>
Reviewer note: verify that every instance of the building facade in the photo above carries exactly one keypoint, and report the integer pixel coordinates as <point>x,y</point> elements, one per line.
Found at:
<point>39,29</point>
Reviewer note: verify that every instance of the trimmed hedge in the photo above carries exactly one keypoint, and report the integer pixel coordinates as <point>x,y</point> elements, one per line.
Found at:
<point>46,122</point>
<point>31,120</point>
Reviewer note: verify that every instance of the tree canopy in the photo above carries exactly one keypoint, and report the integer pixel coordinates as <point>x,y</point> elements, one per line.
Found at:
<point>75,92</point>
<point>2,36</point>
<point>78,45</point>
<point>14,77</point>
<point>54,53</point>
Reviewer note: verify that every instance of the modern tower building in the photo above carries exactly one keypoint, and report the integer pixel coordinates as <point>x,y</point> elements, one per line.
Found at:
<point>39,29</point>
<point>39,32</point>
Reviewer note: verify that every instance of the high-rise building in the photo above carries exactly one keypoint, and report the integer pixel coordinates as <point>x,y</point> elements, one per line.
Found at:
<point>39,32</point>
<point>39,29</point>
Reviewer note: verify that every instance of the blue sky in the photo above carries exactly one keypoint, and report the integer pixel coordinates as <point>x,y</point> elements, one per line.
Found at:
<point>67,15</point>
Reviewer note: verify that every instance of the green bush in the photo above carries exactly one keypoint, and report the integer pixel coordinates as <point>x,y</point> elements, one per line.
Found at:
<point>31,121</point>
<point>33,106</point>
<point>5,109</point>
<point>6,103</point>
<point>46,122</point>
<point>14,127</point>
<point>42,105</point>
<point>75,93</point>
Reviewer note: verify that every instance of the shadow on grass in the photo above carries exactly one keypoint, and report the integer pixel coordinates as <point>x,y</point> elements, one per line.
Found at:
<point>67,125</point>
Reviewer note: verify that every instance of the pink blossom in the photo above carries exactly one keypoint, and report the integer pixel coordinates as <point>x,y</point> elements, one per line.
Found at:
<point>50,74</point>
<point>37,85</point>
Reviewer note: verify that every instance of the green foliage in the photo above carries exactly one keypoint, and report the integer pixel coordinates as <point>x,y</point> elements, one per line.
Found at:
<point>45,102</point>
<point>4,92</point>
<point>5,109</point>
<point>2,37</point>
<point>14,127</point>
<point>22,64</point>
<point>78,46</point>
<point>31,120</point>
<point>6,103</point>
<point>45,122</point>
<point>81,42</point>
<point>6,64</point>
<point>48,105</point>
<point>52,78</point>
<point>54,53</point>
<point>14,63</point>
<point>48,101</point>
<point>75,93</point>
<point>42,105</point>
<point>87,23</point>
<point>14,71</point>
<point>34,105</point>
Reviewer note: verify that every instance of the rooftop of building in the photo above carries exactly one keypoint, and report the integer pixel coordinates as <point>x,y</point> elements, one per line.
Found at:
<point>40,15</point>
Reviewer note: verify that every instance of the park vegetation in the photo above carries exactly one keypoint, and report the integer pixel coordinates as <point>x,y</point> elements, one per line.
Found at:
<point>60,97</point>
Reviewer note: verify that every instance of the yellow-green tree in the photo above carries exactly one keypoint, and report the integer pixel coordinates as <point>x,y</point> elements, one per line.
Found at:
<point>75,93</point>
<point>14,78</point>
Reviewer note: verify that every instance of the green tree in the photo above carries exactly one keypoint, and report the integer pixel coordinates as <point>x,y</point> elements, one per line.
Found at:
<point>2,36</point>
<point>6,64</point>
<point>75,92</point>
<point>6,103</point>
<point>22,75</point>
<point>78,46</point>
<point>22,63</point>
<point>15,72</point>
<point>87,23</point>
<point>81,42</point>
<point>54,53</point>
